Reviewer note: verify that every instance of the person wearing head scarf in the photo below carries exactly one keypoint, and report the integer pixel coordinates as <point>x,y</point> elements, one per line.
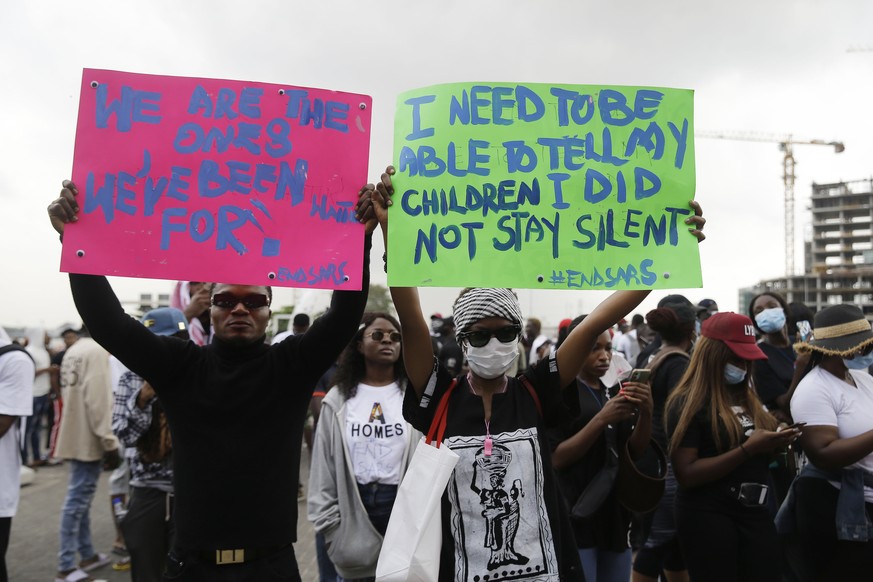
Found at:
<point>501,511</point>
<point>721,443</point>
<point>832,498</point>
<point>16,387</point>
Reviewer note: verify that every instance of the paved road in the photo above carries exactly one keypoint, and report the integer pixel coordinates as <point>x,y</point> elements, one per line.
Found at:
<point>33,547</point>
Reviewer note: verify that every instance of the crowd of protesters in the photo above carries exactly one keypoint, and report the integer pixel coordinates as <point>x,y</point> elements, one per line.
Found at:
<point>752,433</point>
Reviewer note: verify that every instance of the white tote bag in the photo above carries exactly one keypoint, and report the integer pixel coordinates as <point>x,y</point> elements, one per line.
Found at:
<point>411,548</point>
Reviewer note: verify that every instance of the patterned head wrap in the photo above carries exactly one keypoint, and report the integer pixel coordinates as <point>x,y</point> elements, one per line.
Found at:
<point>479,303</point>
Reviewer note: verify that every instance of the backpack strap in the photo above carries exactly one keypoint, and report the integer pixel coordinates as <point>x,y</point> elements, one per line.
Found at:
<point>533,394</point>
<point>662,356</point>
<point>438,424</point>
<point>14,348</point>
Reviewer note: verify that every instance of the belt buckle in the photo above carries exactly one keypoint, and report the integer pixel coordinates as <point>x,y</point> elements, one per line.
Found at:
<point>223,557</point>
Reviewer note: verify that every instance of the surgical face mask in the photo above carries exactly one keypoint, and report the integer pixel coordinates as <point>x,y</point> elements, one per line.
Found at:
<point>859,362</point>
<point>771,320</point>
<point>697,327</point>
<point>493,359</point>
<point>733,374</point>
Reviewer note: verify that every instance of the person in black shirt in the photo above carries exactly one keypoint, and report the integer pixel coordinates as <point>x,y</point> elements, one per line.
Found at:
<point>236,512</point>
<point>773,377</point>
<point>658,544</point>
<point>771,316</point>
<point>601,425</point>
<point>451,355</point>
<point>721,440</point>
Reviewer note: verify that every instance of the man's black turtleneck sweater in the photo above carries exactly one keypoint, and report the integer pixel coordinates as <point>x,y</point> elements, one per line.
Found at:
<point>236,413</point>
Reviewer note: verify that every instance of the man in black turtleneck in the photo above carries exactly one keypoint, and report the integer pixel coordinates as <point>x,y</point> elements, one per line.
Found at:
<point>236,410</point>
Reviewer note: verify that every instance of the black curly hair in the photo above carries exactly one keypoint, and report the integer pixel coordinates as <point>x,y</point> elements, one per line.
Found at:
<point>351,367</point>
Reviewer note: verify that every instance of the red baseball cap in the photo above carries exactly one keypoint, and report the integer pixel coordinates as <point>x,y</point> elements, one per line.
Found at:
<point>736,331</point>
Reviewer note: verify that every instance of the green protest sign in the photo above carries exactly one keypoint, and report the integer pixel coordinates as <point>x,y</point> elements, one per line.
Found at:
<point>543,187</point>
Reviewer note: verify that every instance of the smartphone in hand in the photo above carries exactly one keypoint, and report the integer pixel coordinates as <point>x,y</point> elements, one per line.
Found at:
<point>639,375</point>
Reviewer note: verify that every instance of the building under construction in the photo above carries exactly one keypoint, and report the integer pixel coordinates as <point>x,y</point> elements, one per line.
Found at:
<point>838,262</point>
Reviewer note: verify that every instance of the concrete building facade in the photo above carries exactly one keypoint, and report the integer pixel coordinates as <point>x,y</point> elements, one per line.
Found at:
<point>839,255</point>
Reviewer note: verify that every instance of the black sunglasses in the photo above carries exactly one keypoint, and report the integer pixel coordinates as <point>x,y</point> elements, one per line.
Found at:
<point>229,300</point>
<point>479,338</point>
<point>377,335</point>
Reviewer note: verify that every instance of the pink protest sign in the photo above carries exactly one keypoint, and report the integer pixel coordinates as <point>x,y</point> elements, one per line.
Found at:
<point>214,180</point>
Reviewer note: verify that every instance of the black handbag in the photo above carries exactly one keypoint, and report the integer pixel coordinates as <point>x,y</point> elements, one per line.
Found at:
<point>602,484</point>
<point>640,483</point>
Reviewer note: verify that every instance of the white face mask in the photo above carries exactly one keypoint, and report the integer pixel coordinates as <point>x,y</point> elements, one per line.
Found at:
<point>493,359</point>
<point>734,375</point>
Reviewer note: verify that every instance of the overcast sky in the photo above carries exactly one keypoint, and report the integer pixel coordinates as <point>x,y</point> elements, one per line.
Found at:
<point>775,67</point>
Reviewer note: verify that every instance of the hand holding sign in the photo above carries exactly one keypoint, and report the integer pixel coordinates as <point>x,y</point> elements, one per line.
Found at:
<point>64,208</point>
<point>697,221</point>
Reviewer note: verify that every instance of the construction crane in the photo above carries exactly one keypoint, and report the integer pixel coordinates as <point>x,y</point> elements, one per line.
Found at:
<point>786,144</point>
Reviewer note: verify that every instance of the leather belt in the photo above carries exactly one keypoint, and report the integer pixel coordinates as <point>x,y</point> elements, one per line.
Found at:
<point>234,555</point>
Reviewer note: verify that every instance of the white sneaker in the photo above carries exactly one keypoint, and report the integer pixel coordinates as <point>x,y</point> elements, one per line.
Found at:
<point>102,560</point>
<point>27,475</point>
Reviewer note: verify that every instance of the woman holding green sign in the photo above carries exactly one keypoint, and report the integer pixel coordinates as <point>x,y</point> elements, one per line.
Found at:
<point>502,514</point>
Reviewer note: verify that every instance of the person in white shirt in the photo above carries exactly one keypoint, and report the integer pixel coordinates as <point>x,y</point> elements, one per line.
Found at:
<point>36,342</point>
<point>532,332</point>
<point>16,387</point>
<point>629,344</point>
<point>833,495</point>
<point>362,448</point>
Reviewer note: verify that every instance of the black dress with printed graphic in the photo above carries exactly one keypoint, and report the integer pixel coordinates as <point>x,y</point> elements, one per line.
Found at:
<point>503,517</point>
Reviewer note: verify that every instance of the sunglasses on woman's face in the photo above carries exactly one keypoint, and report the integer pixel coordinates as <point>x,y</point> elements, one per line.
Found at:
<point>480,337</point>
<point>229,300</point>
<point>377,336</point>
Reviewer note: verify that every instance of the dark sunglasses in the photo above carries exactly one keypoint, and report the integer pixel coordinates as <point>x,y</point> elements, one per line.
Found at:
<point>229,300</point>
<point>479,338</point>
<point>377,335</point>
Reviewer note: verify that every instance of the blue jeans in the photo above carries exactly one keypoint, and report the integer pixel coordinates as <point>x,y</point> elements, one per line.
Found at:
<point>605,566</point>
<point>378,500</point>
<point>75,514</point>
<point>41,406</point>
<point>326,570</point>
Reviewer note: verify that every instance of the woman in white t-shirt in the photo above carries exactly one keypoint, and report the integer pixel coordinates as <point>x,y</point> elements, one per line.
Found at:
<point>832,501</point>
<point>362,448</point>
